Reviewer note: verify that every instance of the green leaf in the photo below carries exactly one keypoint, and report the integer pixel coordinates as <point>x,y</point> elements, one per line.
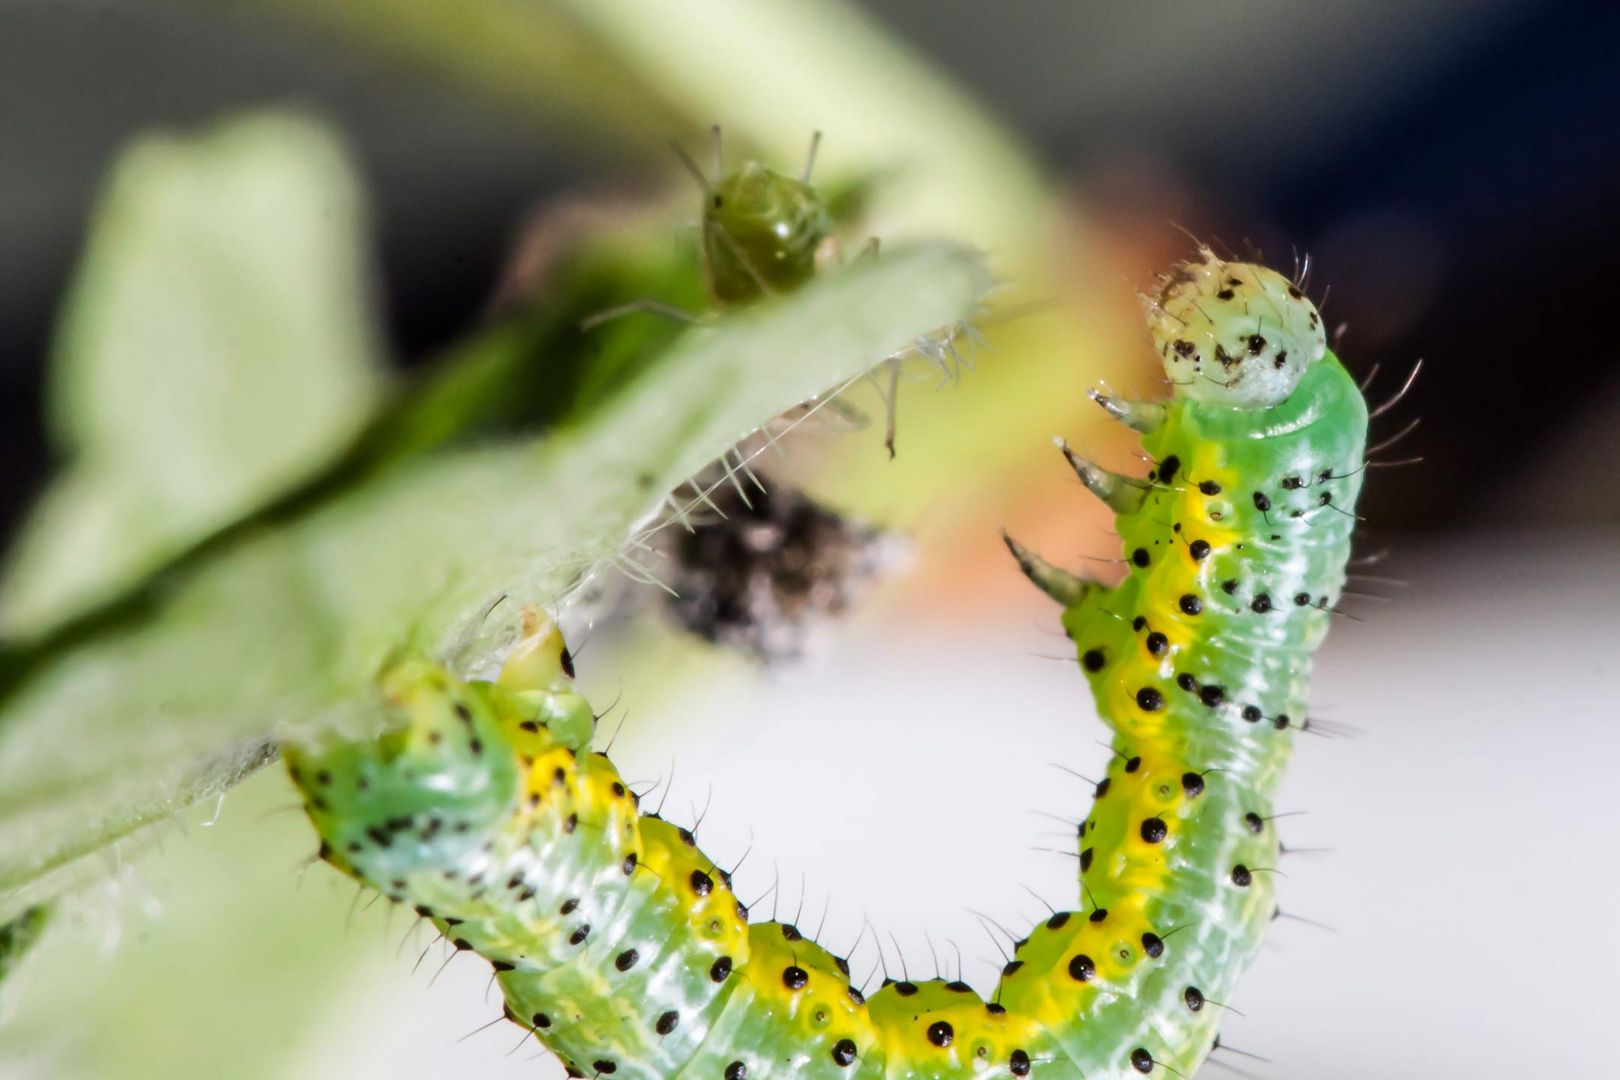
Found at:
<point>221,907</point>
<point>217,344</point>
<point>176,696</point>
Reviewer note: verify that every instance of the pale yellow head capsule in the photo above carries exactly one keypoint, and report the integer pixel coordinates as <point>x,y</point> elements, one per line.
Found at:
<point>1232,333</point>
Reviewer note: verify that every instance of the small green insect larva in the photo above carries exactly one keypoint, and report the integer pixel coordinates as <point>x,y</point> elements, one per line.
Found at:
<point>621,946</point>
<point>763,231</point>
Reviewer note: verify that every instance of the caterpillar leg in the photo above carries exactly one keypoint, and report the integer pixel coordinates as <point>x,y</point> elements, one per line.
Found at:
<point>1066,588</point>
<point>1143,416</point>
<point>1122,494</point>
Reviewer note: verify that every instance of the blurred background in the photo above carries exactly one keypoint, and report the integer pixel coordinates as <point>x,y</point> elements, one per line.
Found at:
<point>1450,167</point>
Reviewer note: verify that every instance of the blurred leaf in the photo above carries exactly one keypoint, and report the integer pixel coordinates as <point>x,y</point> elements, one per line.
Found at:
<point>218,343</point>
<point>532,56</point>
<point>226,960</point>
<point>635,74</point>
<point>172,693</point>
<point>773,71</point>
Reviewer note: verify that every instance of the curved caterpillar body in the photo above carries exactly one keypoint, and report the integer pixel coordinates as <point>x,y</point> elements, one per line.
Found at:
<point>622,947</point>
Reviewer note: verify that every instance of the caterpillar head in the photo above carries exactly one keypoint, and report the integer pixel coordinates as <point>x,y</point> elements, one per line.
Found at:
<point>437,780</point>
<point>761,233</point>
<point>1232,333</point>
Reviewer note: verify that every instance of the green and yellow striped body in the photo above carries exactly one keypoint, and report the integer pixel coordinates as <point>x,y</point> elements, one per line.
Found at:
<point>1200,661</point>
<point>622,947</point>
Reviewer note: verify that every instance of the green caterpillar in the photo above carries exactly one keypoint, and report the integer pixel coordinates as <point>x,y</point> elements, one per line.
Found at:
<point>622,947</point>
